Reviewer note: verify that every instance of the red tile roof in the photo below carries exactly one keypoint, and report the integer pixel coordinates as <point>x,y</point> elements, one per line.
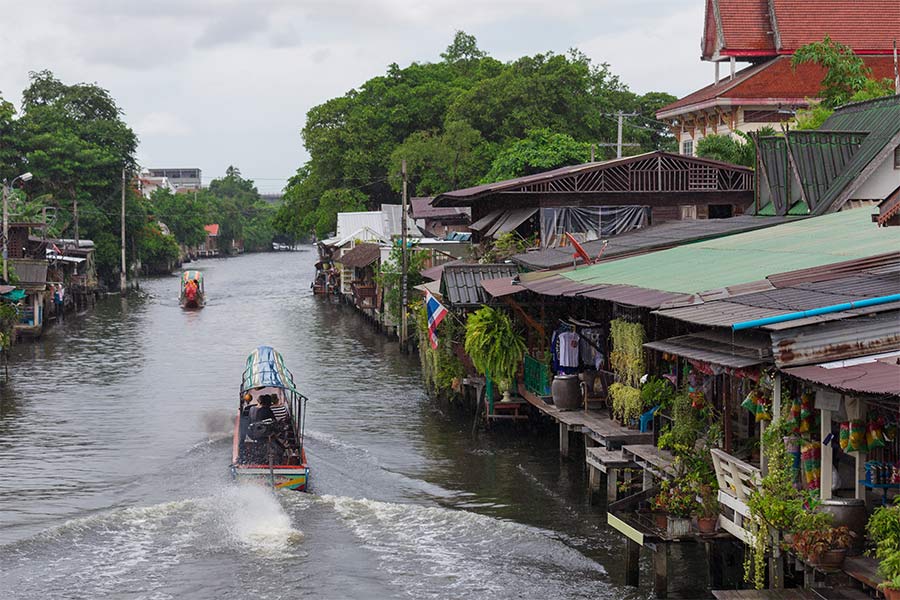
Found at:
<point>745,27</point>
<point>867,26</point>
<point>212,229</point>
<point>773,83</point>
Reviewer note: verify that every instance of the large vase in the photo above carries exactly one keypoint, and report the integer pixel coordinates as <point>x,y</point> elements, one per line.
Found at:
<point>852,513</point>
<point>566,392</point>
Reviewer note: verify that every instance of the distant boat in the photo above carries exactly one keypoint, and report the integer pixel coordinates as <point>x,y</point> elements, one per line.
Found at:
<point>267,447</point>
<point>193,293</point>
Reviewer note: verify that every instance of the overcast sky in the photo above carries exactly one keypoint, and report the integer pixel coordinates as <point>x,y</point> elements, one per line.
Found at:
<point>208,83</point>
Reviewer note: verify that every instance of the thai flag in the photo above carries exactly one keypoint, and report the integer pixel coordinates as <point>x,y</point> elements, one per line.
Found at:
<point>436,313</point>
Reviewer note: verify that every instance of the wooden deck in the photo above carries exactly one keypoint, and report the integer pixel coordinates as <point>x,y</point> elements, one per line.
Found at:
<point>596,425</point>
<point>790,594</point>
<point>658,462</point>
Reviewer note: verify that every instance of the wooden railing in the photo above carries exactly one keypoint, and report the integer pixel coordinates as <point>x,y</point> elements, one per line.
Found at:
<point>736,480</point>
<point>364,294</point>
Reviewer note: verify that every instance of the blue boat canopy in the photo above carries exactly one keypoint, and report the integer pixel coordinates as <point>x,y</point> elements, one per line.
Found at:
<point>265,368</point>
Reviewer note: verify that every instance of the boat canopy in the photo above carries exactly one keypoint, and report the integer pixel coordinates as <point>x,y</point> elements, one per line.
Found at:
<point>191,276</point>
<point>265,368</point>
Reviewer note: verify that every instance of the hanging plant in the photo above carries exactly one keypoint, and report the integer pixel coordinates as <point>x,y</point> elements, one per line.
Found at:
<point>626,401</point>
<point>493,345</point>
<point>627,356</point>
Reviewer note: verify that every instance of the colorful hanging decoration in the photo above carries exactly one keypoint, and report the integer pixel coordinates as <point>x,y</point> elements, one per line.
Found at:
<point>807,414</point>
<point>811,461</point>
<point>844,438</point>
<point>874,433</point>
<point>758,404</point>
<point>795,415</point>
<point>857,440</point>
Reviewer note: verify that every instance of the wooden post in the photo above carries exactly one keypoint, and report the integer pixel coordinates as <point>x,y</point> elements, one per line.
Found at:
<point>563,439</point>
<point>632,562</point>
<point>776,563</point>
<point>856,409</point>
<point>612,485</point>
<point>661,570</point>
<point>122,275</point>
<point>404,263</point>
<point>827,458</point>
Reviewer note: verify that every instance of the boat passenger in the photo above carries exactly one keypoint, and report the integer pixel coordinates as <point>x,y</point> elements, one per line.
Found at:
<point>279,409</point>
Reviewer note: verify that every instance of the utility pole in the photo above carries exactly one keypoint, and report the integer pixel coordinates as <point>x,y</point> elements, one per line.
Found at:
<point>122,282</point>
<point>619,145</point>
<point>5,234</point>
<point>404,262</point>
<point>75,214</point>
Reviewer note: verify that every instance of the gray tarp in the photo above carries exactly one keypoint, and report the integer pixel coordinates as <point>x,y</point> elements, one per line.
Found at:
<point>590,222</point>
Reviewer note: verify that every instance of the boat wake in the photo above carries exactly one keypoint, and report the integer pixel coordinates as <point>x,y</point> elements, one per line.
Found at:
<point>432,551</point>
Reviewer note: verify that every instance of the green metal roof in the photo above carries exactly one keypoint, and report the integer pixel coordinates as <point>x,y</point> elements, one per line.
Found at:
<point>828,160</point>
<point>881,119</point>
<point>748,257</point>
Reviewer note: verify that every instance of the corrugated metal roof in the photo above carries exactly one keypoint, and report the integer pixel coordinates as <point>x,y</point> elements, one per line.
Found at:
<point>877,376</point>
<point>392,218</point>
<point>633,296</point>
<point>502,287</point>
<point>837,340</point>
<point>665,235</point>
<point>709,346</point>
<point>461,284</point>
<point>421,208</point>
<point>811,288</point>
<point>349,222</point>
<point>362,255</point>
<point>748,257</point>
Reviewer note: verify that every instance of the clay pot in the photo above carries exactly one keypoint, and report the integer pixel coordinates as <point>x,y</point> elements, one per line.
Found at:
<point>852,513</point>
<point>660,520</point>
<point>891,593</point>
<point>832,559</point>
<point>707,524</point>
<point>566,392</point>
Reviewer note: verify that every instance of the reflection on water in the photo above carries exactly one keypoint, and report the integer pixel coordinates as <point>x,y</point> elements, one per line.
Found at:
<point>115,439</point>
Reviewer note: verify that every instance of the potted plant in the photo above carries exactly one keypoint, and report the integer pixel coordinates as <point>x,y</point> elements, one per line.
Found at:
<point>495,348</point>
<point>884,530</point>
<point>823,547</point>
<point>681,503</point>
<point>659,508</point>
<point>708,513</point>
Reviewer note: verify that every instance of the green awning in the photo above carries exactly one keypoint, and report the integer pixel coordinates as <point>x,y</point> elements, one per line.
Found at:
<point>13,296</point>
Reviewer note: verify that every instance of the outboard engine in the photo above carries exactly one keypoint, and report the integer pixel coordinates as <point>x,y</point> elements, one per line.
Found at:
<point>260,430</point>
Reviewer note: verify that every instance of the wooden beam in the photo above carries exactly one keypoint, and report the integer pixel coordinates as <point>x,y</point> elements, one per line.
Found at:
<point>525,316</point>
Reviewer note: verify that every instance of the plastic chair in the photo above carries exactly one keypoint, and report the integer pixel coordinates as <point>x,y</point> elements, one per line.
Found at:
<point>647,418</point>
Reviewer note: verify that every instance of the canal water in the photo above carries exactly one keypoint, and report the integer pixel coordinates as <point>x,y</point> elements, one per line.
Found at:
<point>115,441</point>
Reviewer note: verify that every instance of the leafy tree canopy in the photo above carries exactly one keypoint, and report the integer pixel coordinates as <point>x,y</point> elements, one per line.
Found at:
<point>540,150</point>
<point>845,72</point>
<point>450,120</point>
<point>739,150</point>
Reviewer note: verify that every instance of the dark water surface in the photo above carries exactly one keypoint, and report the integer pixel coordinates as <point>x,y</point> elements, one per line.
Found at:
<point>115,442</point>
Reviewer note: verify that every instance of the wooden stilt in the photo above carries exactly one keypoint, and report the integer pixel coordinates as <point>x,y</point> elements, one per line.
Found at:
<point>564,439</point>
<point>661,571</point>
<point>632,562</point>
<point>612,485</point>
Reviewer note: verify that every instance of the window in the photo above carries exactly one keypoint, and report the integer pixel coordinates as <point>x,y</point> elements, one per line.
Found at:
<point>720,211</point>
<point>687,147</point>
<point>897,157</point>
<point>688,212</point>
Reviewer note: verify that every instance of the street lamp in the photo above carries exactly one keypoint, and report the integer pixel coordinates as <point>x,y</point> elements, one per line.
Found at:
<point>24,177</point>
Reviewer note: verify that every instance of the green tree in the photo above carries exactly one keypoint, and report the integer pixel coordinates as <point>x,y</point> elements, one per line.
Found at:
<point>739,150</point>
<point>845,72</point>
<point>540,150</point>
<point>439,162</point>
<point>331,203</point>
<point>184,214</point>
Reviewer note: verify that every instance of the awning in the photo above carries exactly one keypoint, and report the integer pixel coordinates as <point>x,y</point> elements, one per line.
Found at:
<point>505,286</point>
<point>877,374</point>
<point>68,259</point>
<point>13,295</point>
<point>509,220</point>
<point>431,286</point>
<point>485,221</point>
<point>716,348</point>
